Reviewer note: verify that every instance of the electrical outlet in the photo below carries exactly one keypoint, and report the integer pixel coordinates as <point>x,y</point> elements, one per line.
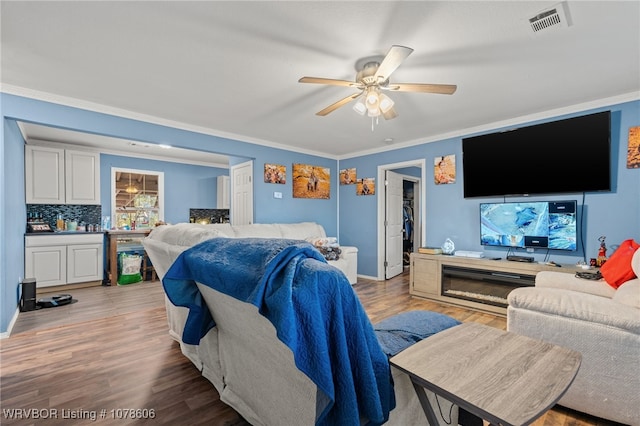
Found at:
<point>277,194</point>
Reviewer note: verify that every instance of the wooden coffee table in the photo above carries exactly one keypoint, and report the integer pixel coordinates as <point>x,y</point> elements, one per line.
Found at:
<point>501,377</point>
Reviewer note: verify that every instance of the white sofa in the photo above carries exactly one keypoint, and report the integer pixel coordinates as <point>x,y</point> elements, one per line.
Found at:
<point>183,235</point>
<point>253,371</point>
<point>600,322</point>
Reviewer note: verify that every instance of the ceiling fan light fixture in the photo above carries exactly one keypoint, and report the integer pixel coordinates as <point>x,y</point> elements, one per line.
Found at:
<point>360,107</point>
<point>372,98</point>
<point>373,102</point>
<point>386,103</point>
<point>390,114</point>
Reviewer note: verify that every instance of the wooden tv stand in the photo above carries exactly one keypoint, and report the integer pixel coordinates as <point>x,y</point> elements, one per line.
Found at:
<point>475,283</point>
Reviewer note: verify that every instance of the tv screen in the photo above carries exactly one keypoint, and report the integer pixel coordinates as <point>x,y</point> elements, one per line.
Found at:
<point>548,225</point>
<point>564,156</point>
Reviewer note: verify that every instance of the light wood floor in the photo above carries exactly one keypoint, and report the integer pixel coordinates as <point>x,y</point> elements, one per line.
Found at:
<point>111,350</point>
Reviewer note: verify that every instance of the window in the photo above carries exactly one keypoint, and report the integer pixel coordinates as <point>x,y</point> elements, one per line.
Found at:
<point>137,198</point>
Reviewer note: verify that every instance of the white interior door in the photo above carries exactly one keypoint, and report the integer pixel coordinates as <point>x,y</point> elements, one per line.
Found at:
<point>393,224</point>
<point>242,192</point>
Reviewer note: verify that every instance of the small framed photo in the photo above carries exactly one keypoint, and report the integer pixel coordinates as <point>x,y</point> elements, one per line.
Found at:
<point>633,148</point>
<point>275,173</point>
<point>444,169</point>
<point>366,186</point>
<point>348,176</point>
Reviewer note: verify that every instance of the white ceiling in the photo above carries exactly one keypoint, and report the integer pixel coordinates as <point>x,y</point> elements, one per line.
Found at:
<point>231,68</point>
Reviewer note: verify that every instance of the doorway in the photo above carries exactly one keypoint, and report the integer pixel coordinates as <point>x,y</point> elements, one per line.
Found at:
<point>242,193</point>
<point>391,214</point>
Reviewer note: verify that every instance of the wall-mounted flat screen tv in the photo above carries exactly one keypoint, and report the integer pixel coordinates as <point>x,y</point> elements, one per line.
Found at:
<point>564,156</point>
<point>543,224</point>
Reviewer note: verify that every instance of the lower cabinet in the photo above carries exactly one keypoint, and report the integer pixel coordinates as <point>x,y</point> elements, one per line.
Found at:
<point>424,276</point>
<point>64,259</point>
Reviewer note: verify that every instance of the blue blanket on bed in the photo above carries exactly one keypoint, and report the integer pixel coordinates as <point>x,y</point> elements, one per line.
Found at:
<point>312,307</point>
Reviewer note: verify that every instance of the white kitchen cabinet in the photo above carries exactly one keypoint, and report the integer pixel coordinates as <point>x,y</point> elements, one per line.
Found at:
<point>84,263</point>
<point>44,175</point>
<point>61,176</point>
<point>64,259</point>
<point>48,265</point>
<point>82,177</point>
<point>223,188</point>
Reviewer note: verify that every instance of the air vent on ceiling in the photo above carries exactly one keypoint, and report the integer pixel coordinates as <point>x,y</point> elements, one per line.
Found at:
<point>553,18</point>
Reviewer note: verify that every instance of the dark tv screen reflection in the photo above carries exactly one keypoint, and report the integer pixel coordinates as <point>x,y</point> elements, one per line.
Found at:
<point>547,225</point>
<point>564,156</point>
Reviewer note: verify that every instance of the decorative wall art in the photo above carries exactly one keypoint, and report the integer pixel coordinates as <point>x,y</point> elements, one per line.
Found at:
<point>275,173</point>
<point>633,149</point>
<point>444,169</point>
<point>347,176</point>
<point>311,181</point>
<point>366,186</point>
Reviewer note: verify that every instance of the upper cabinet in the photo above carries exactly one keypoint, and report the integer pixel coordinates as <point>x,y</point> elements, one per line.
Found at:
<point>82,177</point>
<point>61,176</point>
<point>223,189</point>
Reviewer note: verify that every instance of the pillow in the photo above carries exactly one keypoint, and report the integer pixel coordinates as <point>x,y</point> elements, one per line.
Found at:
<point>324,242</point>
<point>617,269</point>
<point>628,293</point>
<point>635,263</point>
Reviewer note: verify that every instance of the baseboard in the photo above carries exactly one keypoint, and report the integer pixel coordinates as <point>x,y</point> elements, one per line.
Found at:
<point>367,277</point>
<point>7,333</point>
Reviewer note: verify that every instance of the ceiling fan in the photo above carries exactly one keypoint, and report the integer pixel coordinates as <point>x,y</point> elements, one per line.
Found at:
<point>372,79</point>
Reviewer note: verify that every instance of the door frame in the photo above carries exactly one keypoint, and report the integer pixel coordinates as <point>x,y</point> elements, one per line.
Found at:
<point>232,171</point>
<point>422,164</point>
<point>393,225</point>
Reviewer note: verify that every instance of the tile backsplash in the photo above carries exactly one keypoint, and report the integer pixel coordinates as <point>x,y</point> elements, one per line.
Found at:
<point>81,213</point>
<point>209,215</point>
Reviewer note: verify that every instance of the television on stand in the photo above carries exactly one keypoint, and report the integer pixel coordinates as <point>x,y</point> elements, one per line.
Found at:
<point>537,224</point>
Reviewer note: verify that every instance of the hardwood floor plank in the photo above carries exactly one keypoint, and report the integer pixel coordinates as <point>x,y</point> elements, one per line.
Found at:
<point>112,350</point>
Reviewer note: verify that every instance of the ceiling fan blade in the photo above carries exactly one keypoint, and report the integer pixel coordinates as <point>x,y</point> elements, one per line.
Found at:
<point>444,89</point>
<point>331,81</point>
<point>338,104</point>
<point>390,114</point>
<point>394,58</point>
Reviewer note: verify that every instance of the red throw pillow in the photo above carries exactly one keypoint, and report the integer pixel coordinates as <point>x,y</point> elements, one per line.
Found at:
<point>617,269</point>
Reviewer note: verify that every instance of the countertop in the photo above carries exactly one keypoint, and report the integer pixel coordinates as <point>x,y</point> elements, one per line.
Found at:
<point>128,231</point>
<point>47,234</point>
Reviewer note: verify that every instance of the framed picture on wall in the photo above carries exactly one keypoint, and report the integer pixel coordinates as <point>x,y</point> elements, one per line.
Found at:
<point>633,149</point>
<point>311,181</point>
<point>366,186</point>
<point>275,173</point>
<point>444,169</point>
<point>348,176</point>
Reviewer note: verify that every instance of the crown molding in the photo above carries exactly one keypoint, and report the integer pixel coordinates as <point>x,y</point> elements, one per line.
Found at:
<point>105,109</point>
<point>599,103</point>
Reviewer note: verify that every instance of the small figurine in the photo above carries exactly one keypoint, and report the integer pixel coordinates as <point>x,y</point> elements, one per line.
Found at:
<point>602,252</point>
<point>448,247</point>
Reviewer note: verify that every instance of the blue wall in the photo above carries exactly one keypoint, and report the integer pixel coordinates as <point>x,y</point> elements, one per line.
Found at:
<point>448,214</point>
<point>267,209</point>
<point>615,214</point>
<point>185,186</point>
<point>14,213</point>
